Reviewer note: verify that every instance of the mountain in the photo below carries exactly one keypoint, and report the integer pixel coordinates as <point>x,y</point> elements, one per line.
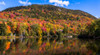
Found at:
<point>50,12</point>
<point>43,20</point>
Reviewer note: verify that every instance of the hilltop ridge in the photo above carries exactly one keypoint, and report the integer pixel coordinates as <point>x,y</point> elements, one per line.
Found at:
<point>50,11</point>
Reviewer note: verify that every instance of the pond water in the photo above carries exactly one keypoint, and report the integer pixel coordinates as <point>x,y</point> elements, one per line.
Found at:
<point>38,46</point>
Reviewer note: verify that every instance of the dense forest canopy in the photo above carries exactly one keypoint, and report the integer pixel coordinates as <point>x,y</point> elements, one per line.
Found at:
<point>93,30</point>
<point>43,20</point>
<point>46,11</point>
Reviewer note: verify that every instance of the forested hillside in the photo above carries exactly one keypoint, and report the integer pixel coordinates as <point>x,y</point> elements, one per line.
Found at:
<point>51,12</point>
<point>43,20</point>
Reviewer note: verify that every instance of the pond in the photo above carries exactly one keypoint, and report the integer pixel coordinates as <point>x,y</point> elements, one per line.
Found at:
<point>38,46</point>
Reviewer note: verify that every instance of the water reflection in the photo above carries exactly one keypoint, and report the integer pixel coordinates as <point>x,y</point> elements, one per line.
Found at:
<point>38,46</point>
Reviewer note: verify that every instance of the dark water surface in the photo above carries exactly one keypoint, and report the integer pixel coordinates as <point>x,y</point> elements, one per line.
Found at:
<point>38,46</point>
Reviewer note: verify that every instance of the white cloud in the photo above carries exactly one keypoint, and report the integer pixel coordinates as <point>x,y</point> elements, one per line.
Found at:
<point>25,2</point>
<point>59,2</point>
<point>97,16</point>
<point>2,3</point>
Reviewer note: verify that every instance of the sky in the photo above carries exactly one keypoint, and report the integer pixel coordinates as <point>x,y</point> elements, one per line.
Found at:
<point>89,6</point>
